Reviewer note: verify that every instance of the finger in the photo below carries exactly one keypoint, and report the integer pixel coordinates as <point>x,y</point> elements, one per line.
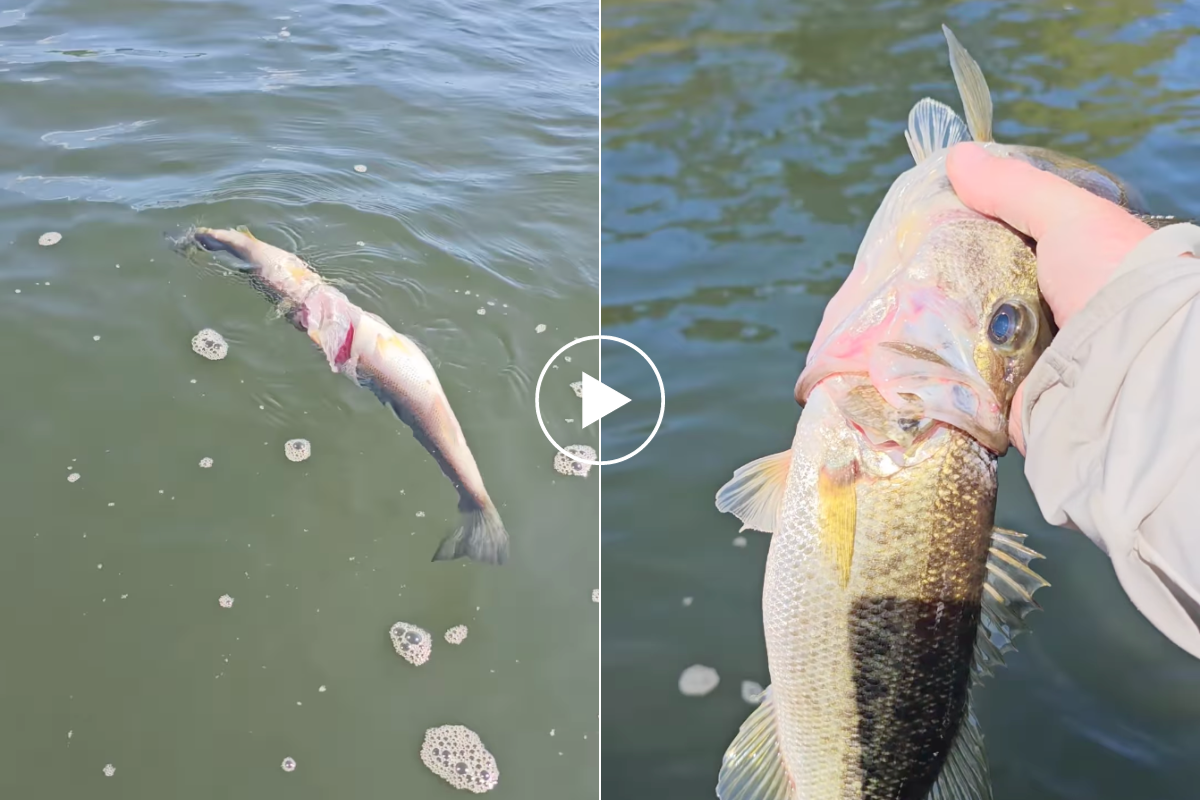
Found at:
<point>1020,194</point>
<point>1016,433</point>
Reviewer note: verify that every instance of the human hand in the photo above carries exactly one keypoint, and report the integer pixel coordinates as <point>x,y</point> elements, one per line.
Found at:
<point>1080,238</point>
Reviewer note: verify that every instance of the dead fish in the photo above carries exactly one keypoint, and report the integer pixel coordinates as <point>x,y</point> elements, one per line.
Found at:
<point>362,346</point>
<point>888,591</point>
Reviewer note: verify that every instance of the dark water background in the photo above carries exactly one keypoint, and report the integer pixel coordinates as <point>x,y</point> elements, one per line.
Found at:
<point>746,144</point>
<point>123,120</point>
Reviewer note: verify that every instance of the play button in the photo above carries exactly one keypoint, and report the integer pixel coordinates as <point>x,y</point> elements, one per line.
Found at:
<point>599,400</point>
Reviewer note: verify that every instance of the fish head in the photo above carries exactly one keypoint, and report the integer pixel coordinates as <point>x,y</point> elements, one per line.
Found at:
<point>941,315</point>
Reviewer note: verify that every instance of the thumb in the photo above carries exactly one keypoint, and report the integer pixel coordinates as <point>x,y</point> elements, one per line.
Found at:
<point>1027,198</point>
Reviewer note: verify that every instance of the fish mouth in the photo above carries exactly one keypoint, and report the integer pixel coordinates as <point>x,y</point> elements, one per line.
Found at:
<point>916,350</point>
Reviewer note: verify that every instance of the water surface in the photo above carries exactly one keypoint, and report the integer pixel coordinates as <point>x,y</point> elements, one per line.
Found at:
<point>745,147</point>
<point>126,122</point>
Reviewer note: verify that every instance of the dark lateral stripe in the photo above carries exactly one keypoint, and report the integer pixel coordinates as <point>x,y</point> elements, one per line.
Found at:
<point>911,674</point>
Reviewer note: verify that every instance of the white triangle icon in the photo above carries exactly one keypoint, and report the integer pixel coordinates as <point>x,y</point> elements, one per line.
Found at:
<point>599,400</point>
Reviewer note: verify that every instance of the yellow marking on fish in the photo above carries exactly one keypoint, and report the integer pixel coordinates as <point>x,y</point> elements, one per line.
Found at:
<point>392,341</point>
<point>836,516</point>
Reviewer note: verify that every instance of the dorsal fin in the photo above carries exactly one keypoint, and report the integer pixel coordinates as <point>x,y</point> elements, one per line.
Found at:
<point>972,88</point>
<point>933,126</point>
<point>964,776</point>
<point>1007,600</point>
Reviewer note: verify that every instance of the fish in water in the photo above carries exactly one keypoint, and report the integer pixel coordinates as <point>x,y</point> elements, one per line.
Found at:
<point>365,348</point>
<point>888,591</point>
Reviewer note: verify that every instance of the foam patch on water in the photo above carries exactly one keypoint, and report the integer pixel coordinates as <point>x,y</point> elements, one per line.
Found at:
<point>225,601</point>
<point>210,344</point>
<point>456,755</point>
<point>49,238</point>
<point>577,388</point>
<point>751,692</point>
<point>413,644</point>
<point>739,541</point>
<point>698,680</point>
<point>297,449</point>
<point>74,476</point>
<point>109,770</point>
<point>206,462</point>
<point>569,466</point>
<point>457,634</point>
<point>289,764</point>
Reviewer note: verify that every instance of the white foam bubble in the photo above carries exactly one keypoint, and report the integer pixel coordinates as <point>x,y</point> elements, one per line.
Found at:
<point>297,449</point>
<point>210,344</point>
<point>481,311</point>
<point>225,601</point>
<point>751,691</point>
<point>413,644</point>
<point>360,167</point>
<point>206,462</point>
<point>569,466</point>
<point>457,755</point>
<point>540,329</point>
<point>595,595</point>
<point>698,680</point>
<point>687,601</point>
<point>74,476</point>
<point>289,764</point>
<point>109,770</point>
<point>49,238</point>
<point>577,388</point>
<point>739,541</point>
<point>457,634</point>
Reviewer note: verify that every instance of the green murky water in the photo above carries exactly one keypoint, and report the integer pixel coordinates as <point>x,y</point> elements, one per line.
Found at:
<point>474,222</point>
<point>745,147</point>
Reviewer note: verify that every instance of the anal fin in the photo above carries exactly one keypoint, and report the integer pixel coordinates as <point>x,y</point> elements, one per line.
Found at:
<point>964,775</point>
<point>753,767</point>
<point>1007,599</point>
<point>755,492</point>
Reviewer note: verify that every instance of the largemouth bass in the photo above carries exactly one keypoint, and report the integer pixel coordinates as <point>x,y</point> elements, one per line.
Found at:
<point>888,592</point>
<point>366,349</point>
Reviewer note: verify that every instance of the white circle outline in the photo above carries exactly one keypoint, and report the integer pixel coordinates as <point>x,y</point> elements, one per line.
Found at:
<point>537,399</point>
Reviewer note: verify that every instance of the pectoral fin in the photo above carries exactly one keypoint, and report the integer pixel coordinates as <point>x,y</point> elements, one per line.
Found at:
<point>753,767</point>
<point>972,87</point>
<point>755,493</point>
<point>837,513</point>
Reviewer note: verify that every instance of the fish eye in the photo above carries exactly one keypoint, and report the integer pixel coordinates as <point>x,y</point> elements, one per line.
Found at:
<point>1009,326</point>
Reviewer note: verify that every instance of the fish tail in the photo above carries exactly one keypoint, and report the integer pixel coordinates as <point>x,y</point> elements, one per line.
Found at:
<point>215,240</point>
<point>480,536</point>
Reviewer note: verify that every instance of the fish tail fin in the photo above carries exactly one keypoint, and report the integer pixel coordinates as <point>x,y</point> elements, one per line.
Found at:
<point>216,240</point>
<point>480,536</point>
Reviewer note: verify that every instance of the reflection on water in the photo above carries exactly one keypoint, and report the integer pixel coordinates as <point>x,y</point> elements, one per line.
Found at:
<point>746,146</point>
<point>212,593</point>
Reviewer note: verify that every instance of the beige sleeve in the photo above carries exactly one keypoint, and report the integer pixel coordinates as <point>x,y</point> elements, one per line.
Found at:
<point>1112,428</point>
